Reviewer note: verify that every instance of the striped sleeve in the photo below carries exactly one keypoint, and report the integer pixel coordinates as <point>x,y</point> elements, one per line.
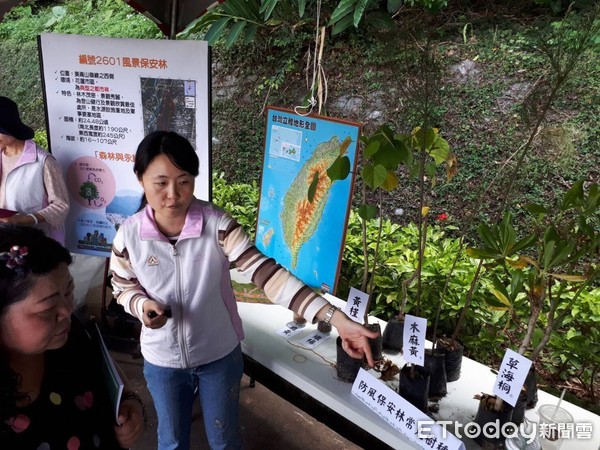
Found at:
<point>279,284</point>
<point>126,287</point>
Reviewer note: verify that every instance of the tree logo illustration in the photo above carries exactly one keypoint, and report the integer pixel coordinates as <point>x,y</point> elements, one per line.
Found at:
<point>89,191</point>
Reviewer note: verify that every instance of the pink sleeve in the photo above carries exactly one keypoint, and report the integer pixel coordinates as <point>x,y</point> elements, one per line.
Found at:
<point>58,198</point>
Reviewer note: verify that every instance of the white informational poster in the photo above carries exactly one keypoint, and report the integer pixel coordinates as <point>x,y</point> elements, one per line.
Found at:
<point>103,95</point>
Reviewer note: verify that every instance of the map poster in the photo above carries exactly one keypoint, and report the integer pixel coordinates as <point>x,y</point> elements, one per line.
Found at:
<point>307,237</point>
<point>102,96</point>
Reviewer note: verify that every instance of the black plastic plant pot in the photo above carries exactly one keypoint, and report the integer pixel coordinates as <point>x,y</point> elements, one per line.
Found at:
<point>454,356</point>
<point>376,343</point>
<point>435,362</point>
<point>393,335</point>
<point>518,414</point>
<point>490,423</point>
<point>414,385</point>
<point>531,388</point>
<point>347,367</point>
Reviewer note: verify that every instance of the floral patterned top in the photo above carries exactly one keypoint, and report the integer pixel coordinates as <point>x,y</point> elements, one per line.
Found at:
<point>72,411</point>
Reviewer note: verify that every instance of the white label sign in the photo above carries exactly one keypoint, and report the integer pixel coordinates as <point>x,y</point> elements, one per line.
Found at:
<point>356,305</point>
<point>289,331</point>
<point>511,376</point>
<point>402,415</point>
<point>414,339</point>
<point>313,339</point>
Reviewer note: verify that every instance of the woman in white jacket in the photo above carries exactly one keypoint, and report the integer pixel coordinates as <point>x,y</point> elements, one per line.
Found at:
<point>32,183</point>
<point>170,266</point>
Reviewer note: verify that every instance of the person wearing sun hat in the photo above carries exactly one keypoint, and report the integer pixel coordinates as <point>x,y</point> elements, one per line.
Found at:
<point>31,180</point>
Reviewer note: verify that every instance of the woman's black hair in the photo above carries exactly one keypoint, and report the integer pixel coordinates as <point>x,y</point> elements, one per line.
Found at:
<point>177,148</point>
<point>43,255</point>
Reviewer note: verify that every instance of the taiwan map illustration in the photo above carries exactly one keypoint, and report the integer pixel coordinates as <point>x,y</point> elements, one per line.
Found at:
<point>304,236</point>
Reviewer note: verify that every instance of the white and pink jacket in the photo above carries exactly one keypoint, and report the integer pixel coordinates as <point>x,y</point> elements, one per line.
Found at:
<point>26,190</point>
<point>192,277</point>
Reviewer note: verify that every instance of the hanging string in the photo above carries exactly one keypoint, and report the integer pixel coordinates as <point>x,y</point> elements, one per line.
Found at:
<point>317,70</point>
<point>322,80</point>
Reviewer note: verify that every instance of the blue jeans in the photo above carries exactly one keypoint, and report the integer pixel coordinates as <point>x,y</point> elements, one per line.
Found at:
<point>218,385</point>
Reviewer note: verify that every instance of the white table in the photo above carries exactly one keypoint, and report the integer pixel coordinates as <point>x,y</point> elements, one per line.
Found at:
<point>312,373</point>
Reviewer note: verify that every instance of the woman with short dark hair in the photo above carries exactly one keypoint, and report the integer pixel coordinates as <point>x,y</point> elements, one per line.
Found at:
<point>170,267</point>
<point>52,391</point>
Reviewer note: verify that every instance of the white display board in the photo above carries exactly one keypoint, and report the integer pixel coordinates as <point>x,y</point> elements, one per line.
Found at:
<point>102,96</point>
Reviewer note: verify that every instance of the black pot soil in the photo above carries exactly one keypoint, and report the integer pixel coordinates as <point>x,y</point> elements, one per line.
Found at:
<point>454,355</point>
<point>324,327</point>
<point>375,344</point>
<point>435,362</point>
<point>486,415</point>
<point>347,367</point>
<point>518,414</point>
<point>393,335</point>
<point>531,388</point>
<point>414,385</point>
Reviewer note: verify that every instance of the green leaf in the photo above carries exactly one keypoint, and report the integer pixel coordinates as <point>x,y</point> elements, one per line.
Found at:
<point>359,11</point>
<point>516,285</point>
<point>394,5</point>
<point>374,176</point>
<point>342,11</point>
<point>573,197</point>
<point>440,150</point>
<point>50,22</point>
<point>385,133</point>
<point>390,182</point>
<point>481,253</point>
<point>430,170</point>
<point>367,212</point>
<point>536,209</point>
<point>524,243</point>
<point>341,25</point>
<point>538,334</point>
<point>340,168</point>
<point>488,236</point>
<point>372,148</point>
<point>380,20</point>
<point>266,8</point>
<point>592,202</point>
<point>244,9</point>
<point>500,291</point>
<point>565,277</point>
<point>312,189</point>
<point>503,299</point>
<point>215,30</point>
<point>556,250</point>
<point>235,32</point>
<point>251,30</point>
<point>301,7</point>
<point>391,153</point>
<point>507,235</point>
<point>202,23</point>
<point>494,303</point>
<point>549,247</point>
<point>563,254</point>
<point>60,11</point>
